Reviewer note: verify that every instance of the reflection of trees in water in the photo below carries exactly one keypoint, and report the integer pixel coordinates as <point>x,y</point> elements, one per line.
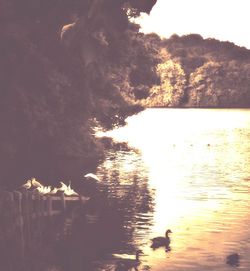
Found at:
<point>110,222</point>
<point>129,193</point>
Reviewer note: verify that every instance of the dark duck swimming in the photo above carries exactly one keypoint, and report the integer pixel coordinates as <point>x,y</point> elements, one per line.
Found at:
<point>161,241</point>
<point>233,259</point>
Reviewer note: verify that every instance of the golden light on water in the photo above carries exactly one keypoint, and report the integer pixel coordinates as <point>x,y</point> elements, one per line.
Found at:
<point>196,164</point>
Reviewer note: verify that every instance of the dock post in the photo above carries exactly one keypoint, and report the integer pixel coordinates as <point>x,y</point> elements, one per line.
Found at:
<point>63,202</point>
<point>49,206</point>
<point>19,221</point>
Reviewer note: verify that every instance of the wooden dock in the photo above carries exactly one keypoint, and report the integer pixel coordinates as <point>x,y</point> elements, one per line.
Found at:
<point>25,215</point>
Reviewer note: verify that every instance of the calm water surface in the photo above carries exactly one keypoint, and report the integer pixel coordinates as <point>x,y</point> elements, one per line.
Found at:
<point>189,172</point>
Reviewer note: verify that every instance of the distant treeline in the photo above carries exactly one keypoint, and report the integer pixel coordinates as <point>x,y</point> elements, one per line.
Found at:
<point>197,72</point>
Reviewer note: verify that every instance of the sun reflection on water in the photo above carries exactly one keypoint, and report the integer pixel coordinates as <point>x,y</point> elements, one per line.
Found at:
<point>197,164</point>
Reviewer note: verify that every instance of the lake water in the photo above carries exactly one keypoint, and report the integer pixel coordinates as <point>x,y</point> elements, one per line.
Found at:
<point>188,171</point>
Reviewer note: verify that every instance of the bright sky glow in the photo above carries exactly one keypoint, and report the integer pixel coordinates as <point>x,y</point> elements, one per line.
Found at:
<point>226,20</point>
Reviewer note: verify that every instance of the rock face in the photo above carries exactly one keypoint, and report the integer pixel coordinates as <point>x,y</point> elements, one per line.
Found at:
<point>62,66</point>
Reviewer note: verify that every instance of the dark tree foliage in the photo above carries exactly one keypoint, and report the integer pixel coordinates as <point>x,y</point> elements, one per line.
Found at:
<point>65,65</point>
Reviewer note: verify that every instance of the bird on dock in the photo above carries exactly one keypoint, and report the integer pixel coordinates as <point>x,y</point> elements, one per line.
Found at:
<point>33,183</point>
<point>67,190</point>
<point>53,191</point>
<point>63,187</point>
<point>44,190</point>
<point>91,176</point>
<point>128,262</point>
<point>161,241</point>
<point>70,192</point>
<point>27,185</point>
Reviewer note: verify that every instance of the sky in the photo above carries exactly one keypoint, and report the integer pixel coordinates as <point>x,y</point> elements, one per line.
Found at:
<point>226,20</point>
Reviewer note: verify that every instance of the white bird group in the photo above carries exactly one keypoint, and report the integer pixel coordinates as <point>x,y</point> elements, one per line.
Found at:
<point>67,190</point>
<point>33,183</point>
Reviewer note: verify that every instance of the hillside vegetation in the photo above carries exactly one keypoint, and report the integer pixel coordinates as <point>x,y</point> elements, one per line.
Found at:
<point>197,72</point>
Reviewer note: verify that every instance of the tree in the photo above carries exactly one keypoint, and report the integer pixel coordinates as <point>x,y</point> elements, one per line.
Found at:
<point>55,85</point>
<point>170,92</point>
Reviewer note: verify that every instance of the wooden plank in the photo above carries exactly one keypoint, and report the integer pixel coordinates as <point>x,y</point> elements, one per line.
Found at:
<point>19,221</point>
<point>33,205</point>
<point>55,198</point>
<point>75,198</point>
<point>45,214</point>
<point>49,206</point>
<point>63,202</point>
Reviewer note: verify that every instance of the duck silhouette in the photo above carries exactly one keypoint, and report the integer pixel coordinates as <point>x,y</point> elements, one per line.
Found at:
<point>125,264</point>
<point>233,259</point>
<point>161,241</point>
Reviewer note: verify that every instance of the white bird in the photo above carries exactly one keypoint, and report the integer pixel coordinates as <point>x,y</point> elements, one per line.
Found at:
<point>54,191</point>
<point>44,189</point>
<point>92,176</point>
<point>35,183</point>
<point>63,187</point>
<point>67,190</point>
<point>27,185</point>
<point>70,192</point>
<point>66,29</point>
